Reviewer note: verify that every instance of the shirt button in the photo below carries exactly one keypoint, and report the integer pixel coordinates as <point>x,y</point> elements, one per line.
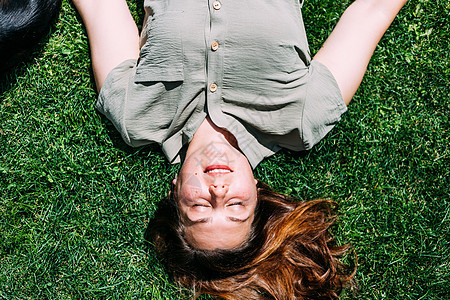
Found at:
<point>213,87</point>
<point>214,46</point>
<point>217,5</point>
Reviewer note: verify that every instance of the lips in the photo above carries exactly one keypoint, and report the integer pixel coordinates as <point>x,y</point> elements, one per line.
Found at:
<point>218,169</point>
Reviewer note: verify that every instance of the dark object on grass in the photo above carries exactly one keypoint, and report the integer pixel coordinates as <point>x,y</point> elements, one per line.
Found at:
<point>23,23</point>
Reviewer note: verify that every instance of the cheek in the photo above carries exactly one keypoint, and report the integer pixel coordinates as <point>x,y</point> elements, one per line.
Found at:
<point>247,190</point>
<point>188,194</point>
<point>190,184</point>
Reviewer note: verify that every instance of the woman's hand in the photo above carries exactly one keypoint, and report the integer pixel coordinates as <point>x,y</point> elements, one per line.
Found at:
<point>348,49</point>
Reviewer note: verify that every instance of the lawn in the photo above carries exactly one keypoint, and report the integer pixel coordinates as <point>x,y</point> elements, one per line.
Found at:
<point>75,200</point>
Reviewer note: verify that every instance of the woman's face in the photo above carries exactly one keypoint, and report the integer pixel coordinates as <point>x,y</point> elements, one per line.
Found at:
<point>217,192</point>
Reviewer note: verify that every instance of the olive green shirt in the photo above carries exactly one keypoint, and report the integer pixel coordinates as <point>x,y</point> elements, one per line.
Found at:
<point>245,64</point>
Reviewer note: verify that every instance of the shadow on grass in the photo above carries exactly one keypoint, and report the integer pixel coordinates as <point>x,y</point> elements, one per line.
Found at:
<point>119,143</point>
<point>20,64</point>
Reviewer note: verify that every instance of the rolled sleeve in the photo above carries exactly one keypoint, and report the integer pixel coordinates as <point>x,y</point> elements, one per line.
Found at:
<point>323,107</point>
<point>113,96</point>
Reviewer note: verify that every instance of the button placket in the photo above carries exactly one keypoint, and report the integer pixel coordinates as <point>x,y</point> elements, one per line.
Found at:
<point>217,29</point>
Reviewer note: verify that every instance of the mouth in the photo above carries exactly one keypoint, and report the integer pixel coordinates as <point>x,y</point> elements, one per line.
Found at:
<point>218,169</point>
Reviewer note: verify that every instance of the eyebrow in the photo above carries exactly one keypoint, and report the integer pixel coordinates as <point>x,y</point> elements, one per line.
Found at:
<point>206,220</point>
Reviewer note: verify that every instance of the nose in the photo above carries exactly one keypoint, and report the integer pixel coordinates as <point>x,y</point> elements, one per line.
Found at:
<point>218,190</point>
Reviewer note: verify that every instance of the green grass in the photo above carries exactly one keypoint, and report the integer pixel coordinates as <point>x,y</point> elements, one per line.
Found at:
<point>75,200</point>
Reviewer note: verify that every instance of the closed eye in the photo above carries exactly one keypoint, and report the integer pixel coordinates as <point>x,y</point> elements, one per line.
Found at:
<point>236,203</point>
<point>202,205</point>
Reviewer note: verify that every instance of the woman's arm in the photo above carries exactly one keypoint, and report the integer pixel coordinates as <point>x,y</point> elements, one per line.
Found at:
<point>113,35</point>
<point>348,49</point>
